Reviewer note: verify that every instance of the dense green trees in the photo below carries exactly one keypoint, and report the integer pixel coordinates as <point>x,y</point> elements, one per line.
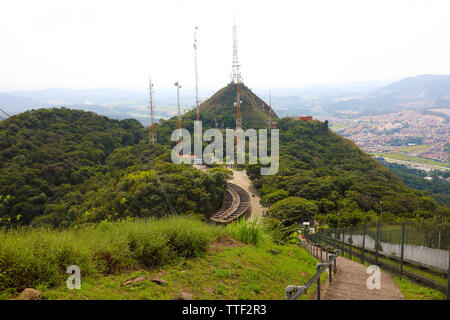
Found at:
<point>60,166</point>
<point>321,167</point>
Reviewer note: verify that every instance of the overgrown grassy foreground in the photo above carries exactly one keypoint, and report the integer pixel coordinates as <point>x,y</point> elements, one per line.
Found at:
<point>190,255</point>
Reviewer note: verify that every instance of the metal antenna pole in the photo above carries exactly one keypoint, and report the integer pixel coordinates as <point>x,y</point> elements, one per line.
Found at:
<point>177,84</point>
<point>152,134</point>
<point>196,75</point>
<point>270,109</point>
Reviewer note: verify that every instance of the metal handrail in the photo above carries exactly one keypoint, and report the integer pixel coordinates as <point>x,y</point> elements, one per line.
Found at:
<point>293,292</point>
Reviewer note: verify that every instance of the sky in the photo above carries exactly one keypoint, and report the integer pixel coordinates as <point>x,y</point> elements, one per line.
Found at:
<point>118,44</point>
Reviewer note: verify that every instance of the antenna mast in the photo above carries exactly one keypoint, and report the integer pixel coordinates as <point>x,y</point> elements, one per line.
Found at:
<point>152,133</point>
<point>270,109</point>
<point>177,84</point>
<point>196,75</point>
<point>236,76</point>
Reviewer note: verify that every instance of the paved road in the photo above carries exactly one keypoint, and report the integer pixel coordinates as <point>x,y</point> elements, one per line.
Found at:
<point>350,283</point>
<point>243,181</point>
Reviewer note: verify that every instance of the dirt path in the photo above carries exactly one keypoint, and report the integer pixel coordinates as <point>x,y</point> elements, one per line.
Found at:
<point>350,283</point>
<point>242,180</point>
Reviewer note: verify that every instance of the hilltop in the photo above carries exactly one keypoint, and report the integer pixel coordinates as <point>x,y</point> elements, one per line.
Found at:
<point>219,108</point>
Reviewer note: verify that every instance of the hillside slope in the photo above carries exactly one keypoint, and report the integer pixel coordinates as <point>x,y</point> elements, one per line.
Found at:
<point>323,174</point>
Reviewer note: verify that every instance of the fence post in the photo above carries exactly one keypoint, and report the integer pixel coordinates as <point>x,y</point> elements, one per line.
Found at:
<point>439,240</point>
<point>351,243</point>
<point>321,249</point>
<point>377,243</point>
<point>403,248</point>
<point>363,244</point>
<point>448,279</point>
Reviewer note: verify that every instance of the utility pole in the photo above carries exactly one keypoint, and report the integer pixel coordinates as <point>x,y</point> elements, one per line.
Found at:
<point>152,133</point>
<point>177,84</point>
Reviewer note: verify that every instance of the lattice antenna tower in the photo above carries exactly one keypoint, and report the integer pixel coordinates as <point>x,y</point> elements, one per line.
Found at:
<point>236,76</point>
<point>152,133</point>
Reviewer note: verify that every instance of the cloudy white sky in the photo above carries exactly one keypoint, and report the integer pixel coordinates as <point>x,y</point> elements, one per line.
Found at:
<point>92,44</point>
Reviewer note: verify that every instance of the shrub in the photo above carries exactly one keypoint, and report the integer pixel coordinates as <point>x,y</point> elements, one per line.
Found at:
<point>249,232</point>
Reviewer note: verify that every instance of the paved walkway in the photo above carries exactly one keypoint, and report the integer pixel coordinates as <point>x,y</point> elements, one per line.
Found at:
<point>350,283</point>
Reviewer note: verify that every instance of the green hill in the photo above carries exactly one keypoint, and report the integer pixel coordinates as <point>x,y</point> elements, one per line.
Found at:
<point>220,108</point>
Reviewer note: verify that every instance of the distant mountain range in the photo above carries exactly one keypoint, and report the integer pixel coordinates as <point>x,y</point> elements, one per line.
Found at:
<point>420,92</point>
<point>415,93</point>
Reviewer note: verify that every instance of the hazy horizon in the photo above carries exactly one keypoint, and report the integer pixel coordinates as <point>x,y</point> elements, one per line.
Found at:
<point>110,44</point>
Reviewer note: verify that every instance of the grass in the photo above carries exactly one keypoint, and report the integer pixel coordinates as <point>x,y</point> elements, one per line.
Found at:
<point>243,272</point>
<point>414,159</point>
<point>415,149</point>
<point>413,291</point>
<point>190,255</point>
<point>32,257</point>
<point>249,232</point>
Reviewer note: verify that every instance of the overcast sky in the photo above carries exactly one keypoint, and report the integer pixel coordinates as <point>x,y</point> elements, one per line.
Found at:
<point>93,44</point>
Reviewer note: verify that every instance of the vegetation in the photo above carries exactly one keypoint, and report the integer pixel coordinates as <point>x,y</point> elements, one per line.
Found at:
<point>62,167</point>
<point>322,174</point>
<point>405,157</point>
<point>438,188</point>
<point>413,291</point>
<point>249,232</point>
<point>36,256</point>
<point>188,254</point>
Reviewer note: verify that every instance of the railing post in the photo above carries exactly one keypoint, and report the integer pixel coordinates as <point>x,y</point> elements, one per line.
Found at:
<point>336,253</point>
<point>318,266</point>
<point>363,244</point>
<point>330,277</point>
<point>403,248</point>
<point>321,249</point>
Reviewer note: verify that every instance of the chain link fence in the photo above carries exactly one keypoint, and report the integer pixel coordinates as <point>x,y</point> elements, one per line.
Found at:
<point>422,245</point>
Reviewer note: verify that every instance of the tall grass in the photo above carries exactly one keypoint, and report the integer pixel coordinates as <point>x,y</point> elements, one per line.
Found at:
<point>30,257</point>
<point>250,232</point>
